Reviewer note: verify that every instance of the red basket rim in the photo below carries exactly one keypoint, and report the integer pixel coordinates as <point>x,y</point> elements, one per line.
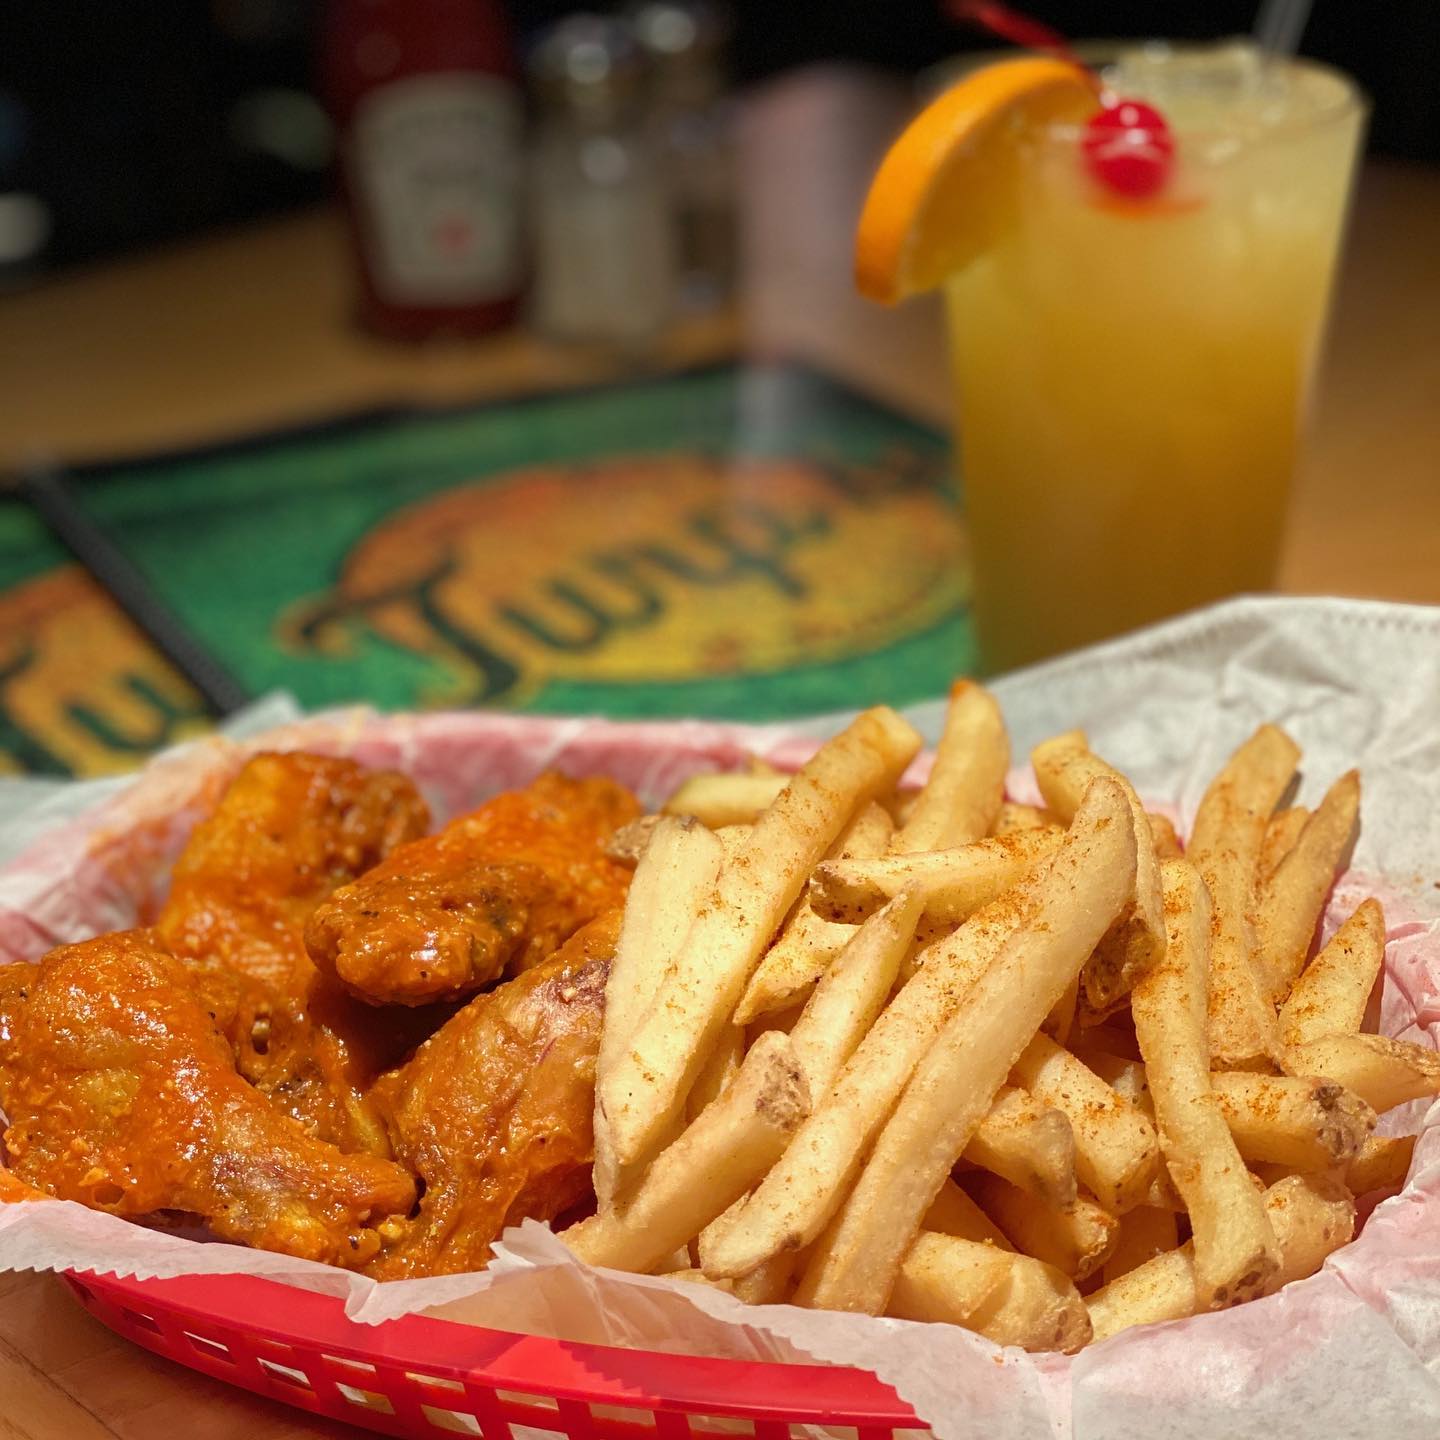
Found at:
<point>272,1311</point>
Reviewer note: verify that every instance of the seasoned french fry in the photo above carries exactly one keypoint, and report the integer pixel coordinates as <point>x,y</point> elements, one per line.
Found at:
<point>1032,1145</point>
<point>719,1156</point>
<point>1311,1216</point>
<point>953,1212</point>
<point>767,1284</point>
<point>627,844</point>
<point>1166,841</point>
<point>808,945</point>
<point>954,883</point>
<point>1382,1163</point>
<point>1331,994</point>
<point>1225,848</point>
<point>726,799</point>
<point>1235,1247</point>
<point>852,993</point>
<point>1089,880</point>
<point>1305,1124</point>
<point>1014,817</point>
<point>697,998</point>
<point>691,1276</point>
<point>1064,766</point>
<point>1381,1071</point>
<point>1290,899</point>
<point>1116,1152</point>
<point>672,880</point>
<point>720,1069</point>
<point>1280,836</point>
<point>1076,1240</point>
<point>1008,1298</point>
<point>1127,1078</point>
<point>1144,1233</point>
<point>961,800</point>
<point>796,1199</point>
<point>1061,1020</point>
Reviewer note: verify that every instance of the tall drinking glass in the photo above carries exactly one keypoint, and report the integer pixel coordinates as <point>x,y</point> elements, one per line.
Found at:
<point>1132,373</point>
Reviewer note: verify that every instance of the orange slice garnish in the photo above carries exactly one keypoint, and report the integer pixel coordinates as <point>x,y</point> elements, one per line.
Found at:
<point>935,201</point>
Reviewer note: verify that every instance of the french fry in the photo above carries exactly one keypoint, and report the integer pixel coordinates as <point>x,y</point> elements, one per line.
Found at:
<point>1008,1298</point>
<point>1381,1071</point>
<point>1089,880</point>
<point>1144,1233</point>
<point>794,1202</point>
<point>807,945</point>
<point>954,883</point>
<point>1061,1019</point>
<point>1311,1217</point>
<point>852,993</point>
<point>1064,766</point>
<point>1225,848</point>
<point>726,799</point>
<point>961,800</point>
<point>1291,897</point>
<point>1332,992</point>
<point>1162,834</point>
<point>1014,817</point>
<point>1305,1124</point>
<point>1382,1163</point>
<point>720,1069</point>
<point>1116,1152</point>
<point>767,1284</point>
<point>1127,1078</point>
<point>627,844</point>
<point>1280,836</point>
<point>756,888</point>
<point>691,1276</point>
<point>1076,1240</point>
<point>953,1212</point>
<point>1235,1248</point>
<point>718,1157</point>
<point>1032,1145</point>
<point>676,873</point>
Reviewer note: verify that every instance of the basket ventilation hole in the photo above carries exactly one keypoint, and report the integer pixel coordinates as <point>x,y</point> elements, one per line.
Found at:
<point>366,1399</point>
<point>451,1420</point>
<point>911,1435</point>
<point>720,1425</point>
<point>625,1413</point>
<point>517,1397</point>
<point>211,1349</point>
<point>144,1322</point>
<point>289,1375</point>
<point>439,1382</point>
<point>349,1363</point>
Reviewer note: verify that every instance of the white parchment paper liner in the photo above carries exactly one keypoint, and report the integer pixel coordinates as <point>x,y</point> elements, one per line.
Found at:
<point>1352,1352</point>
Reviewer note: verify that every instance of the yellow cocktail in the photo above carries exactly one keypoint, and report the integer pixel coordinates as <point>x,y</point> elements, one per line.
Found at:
<point>1131,369</point>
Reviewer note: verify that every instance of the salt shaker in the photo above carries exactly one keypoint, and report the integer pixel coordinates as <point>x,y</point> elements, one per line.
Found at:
<point>684,41</point>
<point>604,242</point>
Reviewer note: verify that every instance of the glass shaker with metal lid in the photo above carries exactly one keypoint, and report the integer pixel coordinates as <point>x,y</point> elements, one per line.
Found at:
<point>685,43</point>
<point>605,263</point>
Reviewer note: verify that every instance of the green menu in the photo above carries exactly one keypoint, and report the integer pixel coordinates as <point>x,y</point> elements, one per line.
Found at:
<point>745,541</point>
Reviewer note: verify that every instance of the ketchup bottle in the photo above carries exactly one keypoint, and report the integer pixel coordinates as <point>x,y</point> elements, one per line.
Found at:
<point>427,104</point>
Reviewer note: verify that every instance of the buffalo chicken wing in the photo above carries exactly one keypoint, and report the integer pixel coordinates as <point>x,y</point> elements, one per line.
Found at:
<point>497,890</point>
<point>122,1094</point>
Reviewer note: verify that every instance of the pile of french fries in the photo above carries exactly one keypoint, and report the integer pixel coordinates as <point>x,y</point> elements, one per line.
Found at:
<point>1028,1070</point>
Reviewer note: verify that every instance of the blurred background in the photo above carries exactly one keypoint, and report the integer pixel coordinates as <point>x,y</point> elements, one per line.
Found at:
<point>125,125</point>
<point>457,352</point>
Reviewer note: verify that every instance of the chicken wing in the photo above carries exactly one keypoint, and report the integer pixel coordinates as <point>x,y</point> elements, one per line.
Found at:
<point>495,1111</point>
<point>496,890</point>
<point>122,1094</point>
<point>288,830</point>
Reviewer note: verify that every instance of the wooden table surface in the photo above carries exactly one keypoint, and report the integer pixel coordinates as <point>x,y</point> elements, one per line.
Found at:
<point>250,330</point>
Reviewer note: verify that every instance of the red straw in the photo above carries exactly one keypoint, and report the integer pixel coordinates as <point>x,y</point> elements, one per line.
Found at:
<point>1011,25</point>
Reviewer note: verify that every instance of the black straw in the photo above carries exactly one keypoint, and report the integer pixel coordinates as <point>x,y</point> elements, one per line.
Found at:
<point>54,501</point>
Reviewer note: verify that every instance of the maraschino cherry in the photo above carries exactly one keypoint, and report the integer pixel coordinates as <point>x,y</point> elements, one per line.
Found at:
<point>1127,146</point>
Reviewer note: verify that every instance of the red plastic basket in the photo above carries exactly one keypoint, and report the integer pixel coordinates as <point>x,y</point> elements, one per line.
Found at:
<point>423,1377</point>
